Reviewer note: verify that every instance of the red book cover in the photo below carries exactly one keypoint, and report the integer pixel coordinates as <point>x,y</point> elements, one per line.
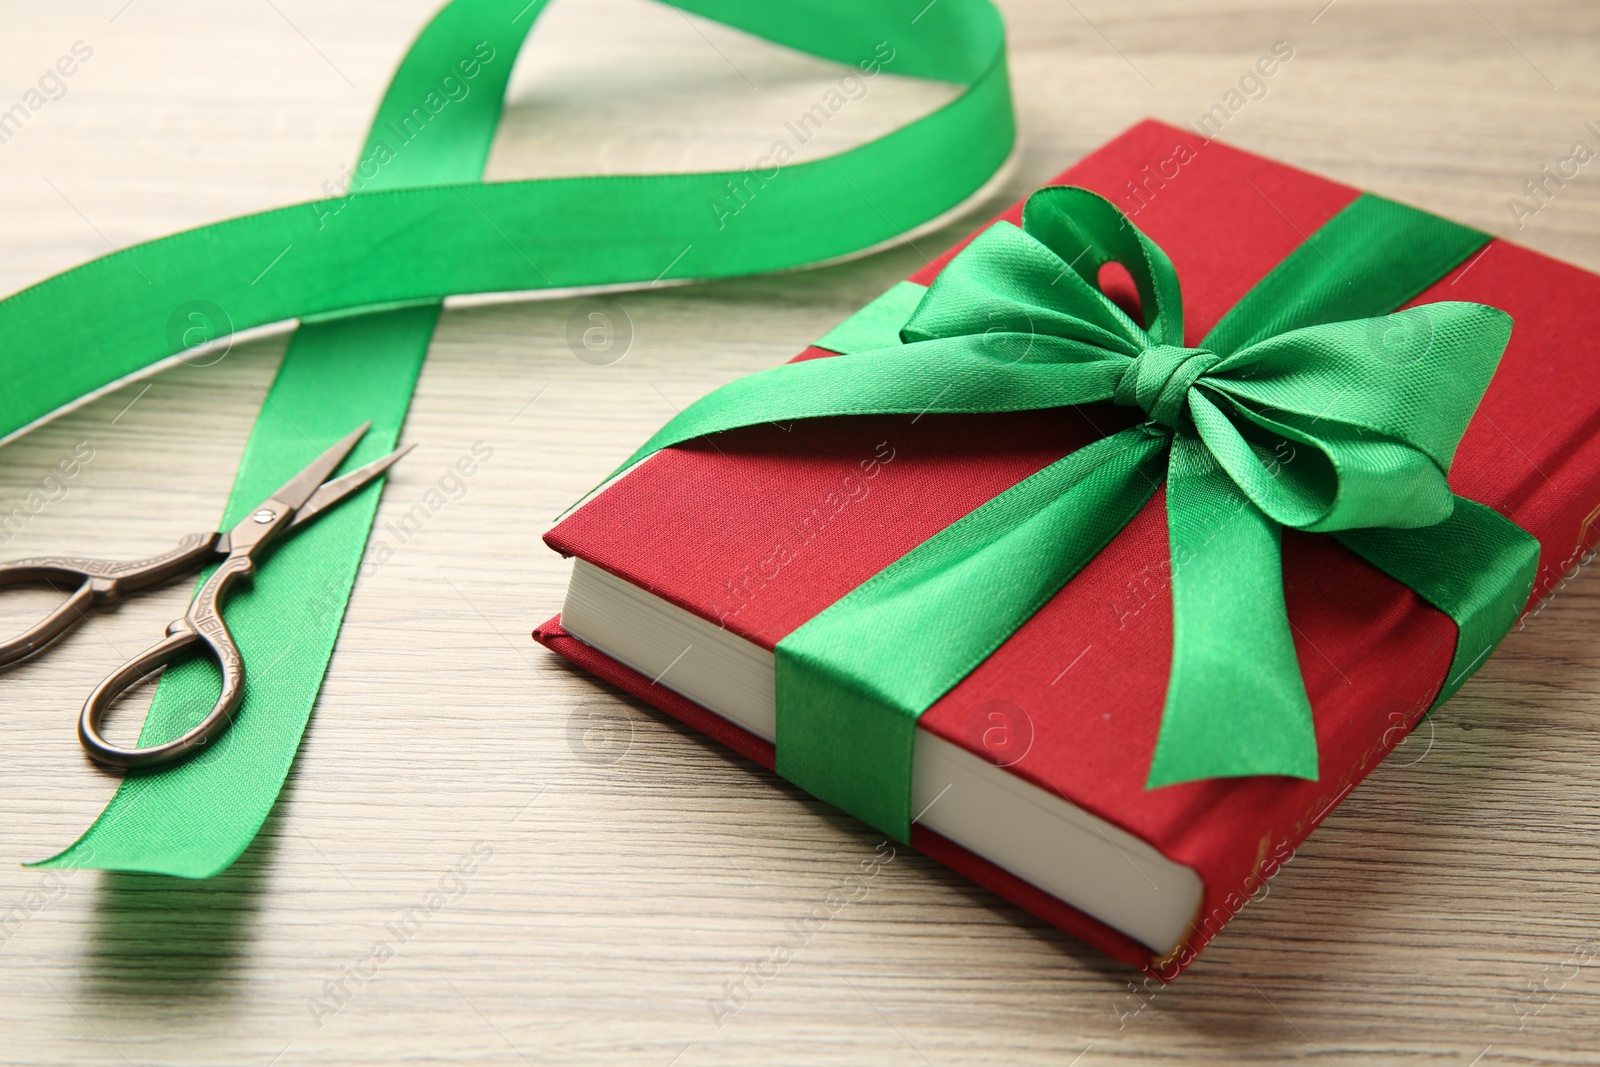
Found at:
<point>762,528</point>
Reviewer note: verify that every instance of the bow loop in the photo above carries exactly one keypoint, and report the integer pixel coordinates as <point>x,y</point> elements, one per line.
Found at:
<point>1007,286</point>
<point>1041,281</point>
<point>1352,425</point>
<point>1087,231</point>
<point>1415,376</point>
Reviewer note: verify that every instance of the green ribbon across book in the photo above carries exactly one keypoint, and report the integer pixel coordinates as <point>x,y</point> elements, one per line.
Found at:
<point>1016,322</point>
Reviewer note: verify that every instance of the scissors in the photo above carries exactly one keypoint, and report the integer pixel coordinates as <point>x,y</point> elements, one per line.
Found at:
<point>103,583</point>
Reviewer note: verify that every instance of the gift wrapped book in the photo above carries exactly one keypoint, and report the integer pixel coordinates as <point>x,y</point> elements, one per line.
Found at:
<point>1102,558</point>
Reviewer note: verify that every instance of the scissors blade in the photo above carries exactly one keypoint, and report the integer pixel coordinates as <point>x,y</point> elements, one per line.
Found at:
<point>297,490</point>
<point>330,493</point>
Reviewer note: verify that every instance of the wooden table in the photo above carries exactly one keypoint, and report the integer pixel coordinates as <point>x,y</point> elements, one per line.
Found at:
<point>1448,913</point>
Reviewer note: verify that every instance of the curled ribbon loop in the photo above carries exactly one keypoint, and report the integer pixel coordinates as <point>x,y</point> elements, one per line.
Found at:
<point>1278,418</point>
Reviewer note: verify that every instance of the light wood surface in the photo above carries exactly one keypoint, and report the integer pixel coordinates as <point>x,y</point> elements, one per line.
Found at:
<point>1448,913</point>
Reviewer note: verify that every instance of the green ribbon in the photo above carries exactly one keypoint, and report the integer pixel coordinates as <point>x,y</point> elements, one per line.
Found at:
<point>364,274</point>
<point>1307,406</point>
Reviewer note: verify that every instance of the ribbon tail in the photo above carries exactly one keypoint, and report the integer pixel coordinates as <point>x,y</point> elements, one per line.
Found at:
<point>1236,704</point>
<point>193,819</point>
<point>941,375</point>
<point>852,682</point>
<point>1477,567</point>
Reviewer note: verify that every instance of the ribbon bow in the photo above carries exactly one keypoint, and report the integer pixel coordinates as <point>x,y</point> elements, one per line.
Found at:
<point>1344,427</point>
<point>1370,410</point>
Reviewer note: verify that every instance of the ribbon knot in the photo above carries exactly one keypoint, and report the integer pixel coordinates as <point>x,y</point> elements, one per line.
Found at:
<point>1158,380</point>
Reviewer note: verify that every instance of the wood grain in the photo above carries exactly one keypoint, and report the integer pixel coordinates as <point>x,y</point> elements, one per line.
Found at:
<point>1448,913</point>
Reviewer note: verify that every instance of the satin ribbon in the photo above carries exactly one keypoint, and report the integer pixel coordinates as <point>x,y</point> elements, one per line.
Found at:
<point>364,274</point>
<point>1292,412</point>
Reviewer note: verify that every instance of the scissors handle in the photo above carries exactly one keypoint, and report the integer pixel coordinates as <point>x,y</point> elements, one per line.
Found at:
<point>201,624</point>
<point>100,582</point>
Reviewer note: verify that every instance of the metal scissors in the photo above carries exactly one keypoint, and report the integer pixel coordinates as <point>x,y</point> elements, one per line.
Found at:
<point>103,583</point>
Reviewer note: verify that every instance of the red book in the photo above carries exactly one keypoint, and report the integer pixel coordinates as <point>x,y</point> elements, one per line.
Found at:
<point>727,545</point>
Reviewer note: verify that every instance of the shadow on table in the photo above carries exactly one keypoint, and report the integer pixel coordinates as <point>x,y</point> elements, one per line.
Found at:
<point>158,938</point>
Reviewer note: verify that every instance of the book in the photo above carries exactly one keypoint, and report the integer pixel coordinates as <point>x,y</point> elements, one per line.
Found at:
<point>1029,775</point>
